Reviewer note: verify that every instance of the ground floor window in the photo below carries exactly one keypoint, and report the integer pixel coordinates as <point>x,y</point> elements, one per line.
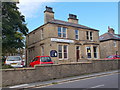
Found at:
<point>62,51</point>
<point>95,51</point>
<point>88,52</point>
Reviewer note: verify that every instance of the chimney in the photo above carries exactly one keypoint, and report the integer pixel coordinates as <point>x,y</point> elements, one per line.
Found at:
<point>110,30</point>
<point>48,14</point>
<point>73,18</point>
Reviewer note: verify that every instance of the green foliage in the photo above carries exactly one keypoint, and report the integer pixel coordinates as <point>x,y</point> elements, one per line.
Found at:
<point>13,28</point>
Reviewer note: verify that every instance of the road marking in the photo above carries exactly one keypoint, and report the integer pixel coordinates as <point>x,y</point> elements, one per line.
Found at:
<point>97,86</point>
<point>18,86</point>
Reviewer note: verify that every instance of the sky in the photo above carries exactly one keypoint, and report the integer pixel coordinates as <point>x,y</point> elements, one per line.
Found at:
<point>97,15</point>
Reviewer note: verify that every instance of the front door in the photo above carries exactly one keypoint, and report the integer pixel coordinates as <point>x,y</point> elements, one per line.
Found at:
<point>77,53</point>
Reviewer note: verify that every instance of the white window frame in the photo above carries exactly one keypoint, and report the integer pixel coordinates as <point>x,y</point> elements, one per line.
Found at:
<point>62,32</point>
<point>63,52</point>
<point>77,34</point>
<point>89,36</point>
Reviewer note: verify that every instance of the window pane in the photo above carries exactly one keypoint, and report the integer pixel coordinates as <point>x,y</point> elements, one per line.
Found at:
<point>76,36</point>
<point>95,55</point>
<point>89,55</point>
<point>60,55</point>
<point>87,33</point>
<point>95,49</point>
<point>65,55</point>
<point>59,34</point>
<point>59,31</point>
<point>88,49</point>
<point>90,33</point>
<point>76,32</point>
<point>64,30</point>
<point>65,48</point>
<point>60,48</point>
<point>64,35</point>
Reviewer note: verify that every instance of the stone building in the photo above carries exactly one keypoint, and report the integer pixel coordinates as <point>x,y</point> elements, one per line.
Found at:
<point>71,41</point>
<point>109,43</point>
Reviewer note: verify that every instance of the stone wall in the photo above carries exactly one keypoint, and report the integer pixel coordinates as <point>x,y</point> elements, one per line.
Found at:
<point>49,72</point>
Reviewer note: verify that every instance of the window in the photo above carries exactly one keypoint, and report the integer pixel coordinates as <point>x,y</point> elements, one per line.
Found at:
<point>89,35</point>
<point>45,59</point>
<point>42,34</point>
<point>65,51</point>
<point>62,51</point>
<point>59,31</point>
<point>35,59</point>
<point>95,51</point>
<point>114,43</point>
<point>76,34</point>
<point>42,50</point>
<point>62,32</point>
<point>88,52</point>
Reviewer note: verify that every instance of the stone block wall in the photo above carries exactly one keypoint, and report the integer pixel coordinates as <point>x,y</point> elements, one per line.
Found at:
<point>49,72</point>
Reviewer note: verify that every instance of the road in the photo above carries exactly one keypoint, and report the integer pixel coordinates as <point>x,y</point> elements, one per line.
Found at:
<point>105,81</point>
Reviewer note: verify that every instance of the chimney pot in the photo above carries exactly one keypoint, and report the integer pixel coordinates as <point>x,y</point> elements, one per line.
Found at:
<point>49,9</point>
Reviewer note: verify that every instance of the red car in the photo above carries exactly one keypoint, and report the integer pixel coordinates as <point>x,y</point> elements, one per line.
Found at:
<point>113,57</point>
<point>41,60</point>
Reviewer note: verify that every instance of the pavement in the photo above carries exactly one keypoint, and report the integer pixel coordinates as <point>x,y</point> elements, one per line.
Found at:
<point>56,81</point>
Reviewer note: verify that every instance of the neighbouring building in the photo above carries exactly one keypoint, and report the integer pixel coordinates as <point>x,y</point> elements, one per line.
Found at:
<point>71,41</point>
<point>109,43</point>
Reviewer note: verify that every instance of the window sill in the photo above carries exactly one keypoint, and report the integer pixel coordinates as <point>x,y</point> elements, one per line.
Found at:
<point>63,59</point>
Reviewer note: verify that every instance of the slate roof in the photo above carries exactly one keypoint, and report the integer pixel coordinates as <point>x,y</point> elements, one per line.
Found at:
<point>59,22</point>
<point>109,36</point>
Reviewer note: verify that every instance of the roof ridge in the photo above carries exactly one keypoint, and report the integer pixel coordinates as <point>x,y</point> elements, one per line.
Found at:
<point>83,26</point>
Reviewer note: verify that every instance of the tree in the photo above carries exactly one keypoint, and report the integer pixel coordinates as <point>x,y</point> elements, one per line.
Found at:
<point>13,28</point>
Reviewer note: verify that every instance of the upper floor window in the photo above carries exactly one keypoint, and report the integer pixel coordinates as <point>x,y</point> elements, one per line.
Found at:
<point>62,32</point>
<point>42,34</point>
<point>89,35</point>
<point>76,34</point>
